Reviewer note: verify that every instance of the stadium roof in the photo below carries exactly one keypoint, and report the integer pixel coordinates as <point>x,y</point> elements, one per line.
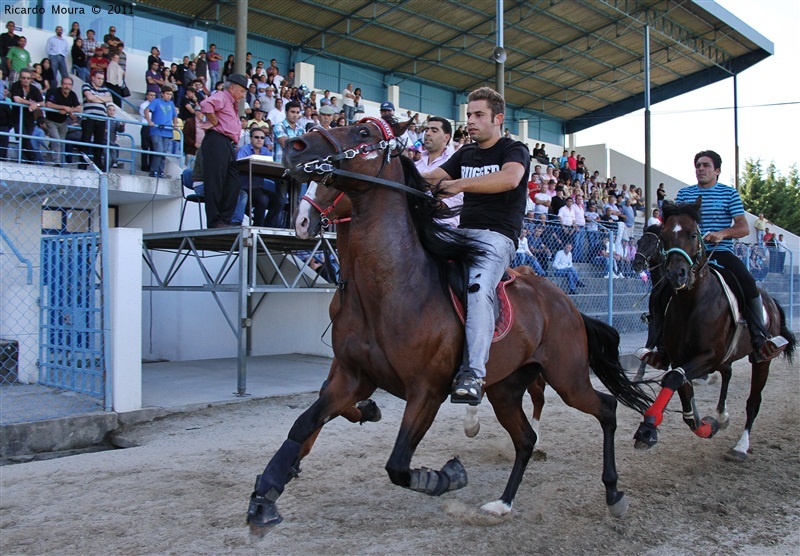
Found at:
<point>580,62</point>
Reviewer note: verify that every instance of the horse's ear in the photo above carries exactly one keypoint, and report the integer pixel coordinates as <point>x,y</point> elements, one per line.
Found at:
<point>399,128</point>
<point>698,202</point>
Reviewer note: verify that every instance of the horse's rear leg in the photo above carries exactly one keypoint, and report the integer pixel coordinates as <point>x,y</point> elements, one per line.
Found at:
<point>506,398</point>
<point>418,416</point>
<point>342,392</point>
<point>536,391</point>
<point>757,383</point>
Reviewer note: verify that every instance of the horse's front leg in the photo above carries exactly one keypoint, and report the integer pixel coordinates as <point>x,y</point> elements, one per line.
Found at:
<point>419,414</point>
<point>705,427</point>
<point>340,394</point>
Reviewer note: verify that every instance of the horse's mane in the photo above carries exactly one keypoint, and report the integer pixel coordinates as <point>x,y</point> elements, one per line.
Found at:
<point>677,209</point>
<point>439,240</point>
<point>653,229</point>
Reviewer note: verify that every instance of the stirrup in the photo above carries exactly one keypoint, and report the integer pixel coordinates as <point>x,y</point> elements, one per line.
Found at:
<point>467,388</point>
<point>653,357</point>
<point>771,348</point>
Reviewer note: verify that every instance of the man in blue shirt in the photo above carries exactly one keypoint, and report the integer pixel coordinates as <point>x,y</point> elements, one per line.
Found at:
<point>263,190</point>
<point>722,221</point>
<point>162,117</point>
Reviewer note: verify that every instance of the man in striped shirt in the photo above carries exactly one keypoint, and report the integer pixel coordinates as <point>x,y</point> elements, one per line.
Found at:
<point>723,220</point>
<point>95,99</point>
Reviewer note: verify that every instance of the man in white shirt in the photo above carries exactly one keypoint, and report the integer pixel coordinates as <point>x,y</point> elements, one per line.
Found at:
<point>57,49</point>
<point>562,266</point>
<point>348,101</point>
<point>541,200</point>
<point>306,118</point>
<point>437,151</point>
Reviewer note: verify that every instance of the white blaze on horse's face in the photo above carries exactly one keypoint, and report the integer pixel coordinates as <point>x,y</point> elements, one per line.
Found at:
<point>676,229</point>
<point>304,209</point>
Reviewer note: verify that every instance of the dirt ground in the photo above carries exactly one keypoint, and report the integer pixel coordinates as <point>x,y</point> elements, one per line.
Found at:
<point>184,490</point>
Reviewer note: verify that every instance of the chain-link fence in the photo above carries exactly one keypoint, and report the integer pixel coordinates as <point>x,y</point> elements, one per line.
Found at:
<point>53,222</point>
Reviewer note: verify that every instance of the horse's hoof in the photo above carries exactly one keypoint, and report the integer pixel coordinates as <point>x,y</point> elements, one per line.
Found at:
<point>456,473</point>
<point>472,431</point>
<point>262,513</point>
<point>646,437</point>
<point>539,455</point>
<point>619,508</point>
<point>370,412</point>
<point>736,456</point>
<point>708,427</point>
<point>472,425</point>
<point>498,508</point>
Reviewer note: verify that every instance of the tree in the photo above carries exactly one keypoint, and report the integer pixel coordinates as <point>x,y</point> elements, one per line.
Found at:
<point>778,197</point>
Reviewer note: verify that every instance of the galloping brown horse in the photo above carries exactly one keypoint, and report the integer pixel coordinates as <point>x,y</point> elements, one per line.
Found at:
<point>322,207</point>
<point>397,330</point>
<point>701,335</point>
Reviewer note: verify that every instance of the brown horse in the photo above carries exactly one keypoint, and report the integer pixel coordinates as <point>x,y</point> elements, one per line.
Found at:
<point>701,335</point>
<point>322,207</point>
<point>397,330</point>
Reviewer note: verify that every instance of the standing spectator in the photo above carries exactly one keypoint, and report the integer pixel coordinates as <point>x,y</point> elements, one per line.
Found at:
<point>66,102</point>
<point>115,126</point>
<point>287,128</point>
<point>220,170</point>
<point>180,78</point>
<point>95,99</point>
<point>562,266</point>
<point>630,218</point>
<point>155,56</point>
<point>213,58</point>
<point>123,57</point>
<point>75,30</point>
<point>661,194</point>
<point>111,36</point>
<point>780,251</point>
<point>760,225</point>
<point>79,60</point>
<point>326,98</point>
<point>248,63</point>
<point>115,78</point>
<point>146,143</point>
<point>90,45</point>
<point>154,78</point>
<point>201,65</point>
<point>57,49</point>
<point>18,58</point>
<point>229,66</point>
<point>7,40</point>
<point>189,105</point>
<point>23,92</point>
<point>289,81</point>
<point>162,117</point>
<point>348,98</point>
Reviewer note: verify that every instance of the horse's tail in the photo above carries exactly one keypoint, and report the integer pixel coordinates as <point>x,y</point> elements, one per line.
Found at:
<point>604,361</point>
<point>786,333</point>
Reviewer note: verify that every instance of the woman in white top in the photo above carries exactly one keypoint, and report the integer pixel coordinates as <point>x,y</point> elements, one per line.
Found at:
<point>115,78</point>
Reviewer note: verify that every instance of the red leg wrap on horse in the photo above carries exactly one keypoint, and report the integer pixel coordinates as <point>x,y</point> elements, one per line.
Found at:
<point>705,430</point>
<point>656,410</point>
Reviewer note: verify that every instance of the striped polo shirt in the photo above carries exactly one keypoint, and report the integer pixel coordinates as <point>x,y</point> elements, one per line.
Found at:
<point>97,108</point>
<point>721,204</point>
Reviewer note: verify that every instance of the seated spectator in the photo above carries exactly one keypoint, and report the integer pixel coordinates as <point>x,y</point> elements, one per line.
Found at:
<point>258,120</point>
<point>562,266</point>
<point>627,254</point>
<point>524,256</point>
<point>603,260</point>
<point>757,267</point>
<point>265,196</point>
<point>80,61</point>
<point>539,247</point>
<point>38,81</point>
<point>48,75</point>
<point>276,115</point>
<point>655,219</point>
<point>100,60</point>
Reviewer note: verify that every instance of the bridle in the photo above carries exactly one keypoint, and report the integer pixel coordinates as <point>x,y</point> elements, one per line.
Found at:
<point>326,222</point>
<point>658,249</point>
<point>329,166</point>
<point>696,263</point>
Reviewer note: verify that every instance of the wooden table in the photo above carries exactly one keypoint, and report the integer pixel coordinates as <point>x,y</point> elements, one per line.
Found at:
<point>265,167</point>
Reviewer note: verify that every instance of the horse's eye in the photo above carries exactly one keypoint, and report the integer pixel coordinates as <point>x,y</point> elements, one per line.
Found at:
<point>364,132</point>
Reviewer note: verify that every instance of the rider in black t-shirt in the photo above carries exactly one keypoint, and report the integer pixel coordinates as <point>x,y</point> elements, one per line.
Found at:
<point>492,173</point>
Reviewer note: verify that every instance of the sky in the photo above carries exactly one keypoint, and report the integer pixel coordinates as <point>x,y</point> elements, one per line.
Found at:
<point>769,107</point>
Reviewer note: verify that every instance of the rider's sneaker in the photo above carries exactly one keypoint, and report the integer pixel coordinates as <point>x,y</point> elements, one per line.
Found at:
<point>770,349</point>
<point>653,357</point>
<point>467,388</point>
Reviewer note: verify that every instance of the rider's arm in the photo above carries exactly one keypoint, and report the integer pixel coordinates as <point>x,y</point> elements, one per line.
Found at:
<point>739,229</point>
<point>506,179</point>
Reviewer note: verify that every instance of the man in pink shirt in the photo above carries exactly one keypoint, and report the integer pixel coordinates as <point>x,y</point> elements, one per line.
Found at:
<point>437,151</point>
<point>218,151</point>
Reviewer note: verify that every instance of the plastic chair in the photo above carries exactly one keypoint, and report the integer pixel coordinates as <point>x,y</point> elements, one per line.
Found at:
<point>194,197</point>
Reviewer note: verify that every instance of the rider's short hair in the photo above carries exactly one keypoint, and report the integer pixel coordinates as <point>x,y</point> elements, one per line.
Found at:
<point>715,158</point>
<point>494,99</point>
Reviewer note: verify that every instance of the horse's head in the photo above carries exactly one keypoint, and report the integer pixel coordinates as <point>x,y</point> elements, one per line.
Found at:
<point>360,151</point>
<point>319,208</point>
<point>648,249</point>
<point>684,249</point>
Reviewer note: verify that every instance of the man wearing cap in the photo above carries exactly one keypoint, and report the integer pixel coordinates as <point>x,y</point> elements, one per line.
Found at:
<point>220,171</point>
<point>387,110</point>
<point>326,114</point>
<point>100,60</point>
<point>348,102</point>
<point>258,119</point>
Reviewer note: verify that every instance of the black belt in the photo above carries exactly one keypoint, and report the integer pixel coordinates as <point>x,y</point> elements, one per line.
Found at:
<point>234,143</point>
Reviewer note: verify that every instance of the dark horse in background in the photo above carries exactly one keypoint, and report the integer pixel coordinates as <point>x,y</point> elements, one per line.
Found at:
<point>396,328</point>
<point>701,335</point>
<point>322,207</point>
<point>649,256</point>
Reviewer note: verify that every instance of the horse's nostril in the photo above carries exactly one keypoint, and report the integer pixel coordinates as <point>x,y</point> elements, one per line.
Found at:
<point>298,146</point>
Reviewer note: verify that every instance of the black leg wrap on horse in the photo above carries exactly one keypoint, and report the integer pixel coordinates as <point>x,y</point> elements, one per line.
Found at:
<point>262,510</point>
<point>674,379</point>
<point>646,435</point>
<point>435,483</point>
<point>281,469</point>
<point>370,412</point>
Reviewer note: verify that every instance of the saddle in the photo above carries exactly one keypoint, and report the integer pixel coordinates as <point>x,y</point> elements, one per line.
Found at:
<point>504,312</point>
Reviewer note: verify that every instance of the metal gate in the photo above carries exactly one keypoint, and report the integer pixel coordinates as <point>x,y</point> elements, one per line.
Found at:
<point>70,320</point>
